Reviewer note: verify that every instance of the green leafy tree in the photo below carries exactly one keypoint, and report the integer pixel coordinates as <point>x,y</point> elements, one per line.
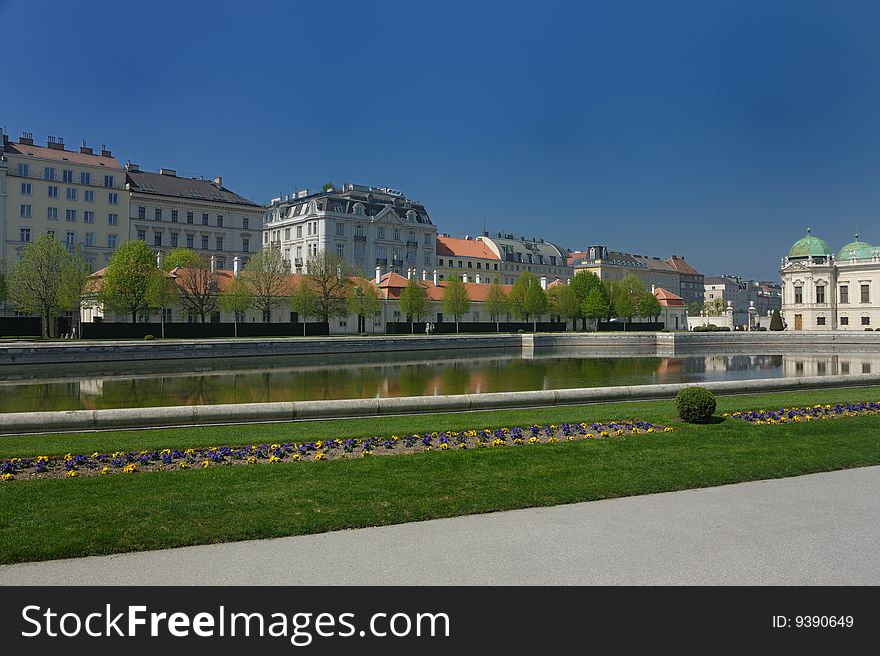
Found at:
<point>328,186</point>
<point>181,257</point>
<point>596,305</point>
<point>413,302</point>
<point>364,300</point>
<point>629,291</point>
<point>48,280</point>
<point>535,302</point>
<point>497,303</point>
<point>776,321</point>
<point>582,284</point>
<point>162,293</point>
<point>304,301</point>
<point>649,306</point>
<point>694,308</point>
<point>130,279</point>
<point>455,299</point>
<point>236,298</point>
<point>330,278</point>
<point>266,275</point>
<point>564,303</point>
<point>517,296</point>
<point>3,287</point>
<point>610,292</point>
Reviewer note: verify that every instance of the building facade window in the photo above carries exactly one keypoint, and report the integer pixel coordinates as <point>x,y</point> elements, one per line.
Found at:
<point>67,175</point>
<point>340,249</point>
<point>204,243</point>
<point>866,293</point>
<point>85,178</point>
<point>49,173</point>
<point>89,217</point>
<point>866,321</point>
<point>24,171</point>
<point>844,294</point>
<point>157,214</point>
<point>111,241</point>
<point>71,193</point>
<point>820,295</point>
<point>245,223</point>
<point>204,218</point>
<point>52,191</point>
<point>219,243</point>
<point>174,216</point>
<point>142,212</point>
<point>142,234</point>
<point>820,321</point>
<point>798,294</point>
<point>190,239</point>
<point>70,215</point>
<point>89,196</point>
<point>340,229</point>
<point>380,232</point>
<point>189,217</point>
<point>24,234</point>
<point>299,232</point>
<point>90,239</point>
<point>52,213</point>
<point>113,198</point>
<point>219,220</point>
<point>112,219</point>
<point>109,181</point>
<point>25,211</point>
<point>70,238</point>
<point>174,238</point>
<point>157,238</point>
<point>844,321</point>
<point>26,188</point>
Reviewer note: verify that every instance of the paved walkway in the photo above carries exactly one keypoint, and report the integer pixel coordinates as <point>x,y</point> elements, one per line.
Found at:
<point>816,529</point>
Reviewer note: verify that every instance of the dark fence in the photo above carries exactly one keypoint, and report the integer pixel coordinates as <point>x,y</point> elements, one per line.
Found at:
<point>630,327</point>
<point>197,330</point>
<point>20,327</point>
<point>448,327</point>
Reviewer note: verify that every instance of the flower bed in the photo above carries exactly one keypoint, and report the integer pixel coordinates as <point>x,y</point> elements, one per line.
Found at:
<point>807,413</point>
<point>131,462</point>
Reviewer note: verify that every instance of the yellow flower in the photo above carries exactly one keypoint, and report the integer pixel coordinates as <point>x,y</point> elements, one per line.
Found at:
<point>95,455</point>
<point>118,454</point>
<point>278,446</point>
<point>104,470</point>
<point>183,465</point>
<point>71,473</point>
<point>276,459</point>
<point>42,458</point>
<point>635,430</point>
<point>497,442</point>
<point>651,430</point>
<point>571,438</point>
<point>189,452</point>
<point>7,477</point>
<point>517,440</point>
<point>444,446</point>
<point>319,444</point>
<point>165,452</point>
<point>552,440</point>
<point>427,448</point>
<point>130,469</point>
<point>294,457</point>
<point>320,456</point>
<point>533,440</point>
<point>206,464</point>
<point>366,453</point>
<point>619,431</point>
<point>462,445</point>
<point>588,436</point>
<point>68,457</point>
<point>603,433</point>
<point>251,460</point>
<point>668,429</point>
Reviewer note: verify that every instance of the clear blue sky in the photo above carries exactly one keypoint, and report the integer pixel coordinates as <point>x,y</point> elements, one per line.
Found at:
<point>718,130</point>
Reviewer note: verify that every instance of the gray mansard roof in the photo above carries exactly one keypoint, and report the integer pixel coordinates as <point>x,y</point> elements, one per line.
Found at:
<point>188,188</point>
<point>373,200</point>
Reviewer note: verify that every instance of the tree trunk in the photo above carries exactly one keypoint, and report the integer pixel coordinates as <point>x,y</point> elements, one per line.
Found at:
<point>134,316</point>
<point>456,325</point>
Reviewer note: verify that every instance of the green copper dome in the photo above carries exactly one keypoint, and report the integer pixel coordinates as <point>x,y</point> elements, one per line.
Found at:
<point>858,249</point>
<point>809,246</point>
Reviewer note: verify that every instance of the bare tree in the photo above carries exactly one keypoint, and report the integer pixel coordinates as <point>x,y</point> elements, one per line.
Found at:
<point>330,278</point>
<point>266,275</point>
<point>197,285</point>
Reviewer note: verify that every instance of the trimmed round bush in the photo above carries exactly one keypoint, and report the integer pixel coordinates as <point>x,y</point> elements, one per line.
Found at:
<point>695,405</point>
<point>149,337</point>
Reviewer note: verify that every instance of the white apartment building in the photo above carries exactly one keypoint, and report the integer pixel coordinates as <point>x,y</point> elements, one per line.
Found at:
<point>168,212</point>
<point>78,196</point>
<point>369,227</point>
<point>824,292</point>
<point>518,254</point>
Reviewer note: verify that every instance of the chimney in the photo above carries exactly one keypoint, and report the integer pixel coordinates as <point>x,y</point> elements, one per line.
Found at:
<point>236,266</point>
<point>378,274</point>
<point>436,278</point>
<point>133,167</point>
<point>409,274</point>
<point>26,139</point>
<point>544,282</point>
<point>105,152</point>
<point>85,150</point>
<point>213,263</point>
<point>477,279</point>
<point>169,172</point>
<point>218,181</point>
<point>55,143</point>
<point>424,275</point>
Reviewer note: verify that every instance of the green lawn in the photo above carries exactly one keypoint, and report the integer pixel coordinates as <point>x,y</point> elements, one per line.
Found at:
<point>98,515</point>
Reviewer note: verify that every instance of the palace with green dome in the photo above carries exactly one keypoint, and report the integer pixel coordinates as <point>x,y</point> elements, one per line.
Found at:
<point>822,290</point>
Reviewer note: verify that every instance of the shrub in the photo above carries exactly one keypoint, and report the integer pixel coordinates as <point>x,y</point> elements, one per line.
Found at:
<point>521,331</point>
<point>695,405</point>
<point>149,337</point>
<point>775,320</point>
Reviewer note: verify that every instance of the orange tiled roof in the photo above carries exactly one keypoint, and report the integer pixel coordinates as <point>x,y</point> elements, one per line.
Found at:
<point>681,265</point>
<point>451,246</point>
<point>667,298</point>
